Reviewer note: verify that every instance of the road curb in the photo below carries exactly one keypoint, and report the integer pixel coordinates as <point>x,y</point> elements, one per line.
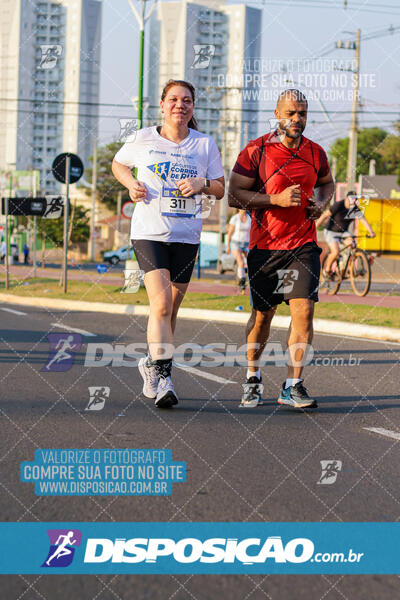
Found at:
<point>344,328</point>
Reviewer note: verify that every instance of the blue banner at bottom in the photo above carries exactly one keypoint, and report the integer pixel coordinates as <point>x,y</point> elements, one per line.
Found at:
<point>199,548</point>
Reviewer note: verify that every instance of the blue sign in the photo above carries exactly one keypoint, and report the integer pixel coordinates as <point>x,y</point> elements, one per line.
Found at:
<point>200,548</point>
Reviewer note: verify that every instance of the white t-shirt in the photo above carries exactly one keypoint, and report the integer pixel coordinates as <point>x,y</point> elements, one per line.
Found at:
<point>160,163</point>
<point>241,235</point>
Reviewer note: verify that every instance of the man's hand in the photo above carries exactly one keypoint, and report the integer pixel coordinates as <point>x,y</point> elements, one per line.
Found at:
<point>137,191</point>
<point>315,209</point>
<point>289,197</point>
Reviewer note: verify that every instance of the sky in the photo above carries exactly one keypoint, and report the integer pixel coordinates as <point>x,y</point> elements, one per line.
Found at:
<point>293,32</point>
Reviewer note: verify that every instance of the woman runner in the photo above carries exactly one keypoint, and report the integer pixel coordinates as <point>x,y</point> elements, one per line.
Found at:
<point>174,162</point>
<point>238,242</point>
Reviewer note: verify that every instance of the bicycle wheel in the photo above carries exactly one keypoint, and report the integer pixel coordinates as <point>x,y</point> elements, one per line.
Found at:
<point>360,273</point>
<point>330,285</point>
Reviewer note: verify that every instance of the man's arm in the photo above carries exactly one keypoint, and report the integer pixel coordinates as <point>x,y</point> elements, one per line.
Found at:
<point>323,191</point>
<point>323,218</point>
<point>367,226</point>
<point>241,195</point>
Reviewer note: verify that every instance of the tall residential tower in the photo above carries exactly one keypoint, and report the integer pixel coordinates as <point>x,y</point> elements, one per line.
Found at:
<point>212,45</point>
<point>49,63</point>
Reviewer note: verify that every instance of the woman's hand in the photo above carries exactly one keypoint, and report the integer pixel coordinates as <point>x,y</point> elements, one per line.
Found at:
<point>137,191</point>
<point>228,250</point>
<point>190,185</point>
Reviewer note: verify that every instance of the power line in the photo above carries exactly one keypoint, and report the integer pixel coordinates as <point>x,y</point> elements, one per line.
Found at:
<point>197,108</point>
<point>359,7</point>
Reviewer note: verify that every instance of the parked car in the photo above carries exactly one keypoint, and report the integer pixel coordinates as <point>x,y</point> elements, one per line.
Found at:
<point>115,256</point>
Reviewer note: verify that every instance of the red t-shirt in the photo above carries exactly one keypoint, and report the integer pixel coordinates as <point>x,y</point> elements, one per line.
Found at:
<point>276,167</point>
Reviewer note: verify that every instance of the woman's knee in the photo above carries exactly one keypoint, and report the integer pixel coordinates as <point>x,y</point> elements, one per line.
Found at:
<point>161,309</point>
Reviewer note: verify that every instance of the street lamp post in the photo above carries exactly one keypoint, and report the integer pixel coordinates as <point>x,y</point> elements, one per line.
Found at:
<point>141,19</point>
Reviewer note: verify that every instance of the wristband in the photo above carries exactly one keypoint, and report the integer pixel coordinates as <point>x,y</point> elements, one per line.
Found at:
<point>206,184</point>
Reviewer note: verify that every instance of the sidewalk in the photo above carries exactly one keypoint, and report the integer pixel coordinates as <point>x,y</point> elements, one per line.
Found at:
<point>116,278</point>
<point>222,289</point>
<point>342,328</point>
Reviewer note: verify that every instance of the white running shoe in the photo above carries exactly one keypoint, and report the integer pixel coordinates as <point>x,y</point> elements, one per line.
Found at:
<point>150,379</point>
<point>252,393</point>
<point>166,395</point>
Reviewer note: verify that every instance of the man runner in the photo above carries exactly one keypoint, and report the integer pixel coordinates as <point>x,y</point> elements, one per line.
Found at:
<point>275,177</point>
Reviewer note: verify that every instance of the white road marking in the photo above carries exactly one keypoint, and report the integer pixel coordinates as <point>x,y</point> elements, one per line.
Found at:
<point>15,312</point>
<point>203,374</point>
<point>392,434</point>
<point>68,328</point>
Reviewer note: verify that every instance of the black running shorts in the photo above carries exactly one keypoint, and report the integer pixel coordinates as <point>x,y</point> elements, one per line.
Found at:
<point>177,257</point>
<point>277,276</point>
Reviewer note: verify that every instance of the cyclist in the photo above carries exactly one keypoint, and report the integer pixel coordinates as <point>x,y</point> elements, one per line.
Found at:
<point>275,176</point>
<point>339,218</point>
<point>175,162</point>
<point>238,241</point>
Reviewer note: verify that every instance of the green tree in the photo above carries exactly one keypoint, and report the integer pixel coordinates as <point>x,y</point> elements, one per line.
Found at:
<point>390,152</point>
<point>107,186</point>
<point>369,146</point>
<point>79,226</point>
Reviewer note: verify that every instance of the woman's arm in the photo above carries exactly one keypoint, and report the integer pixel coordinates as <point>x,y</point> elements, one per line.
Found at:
<point>137,190</point>
<point>231,229</point>
<point>196,185</point>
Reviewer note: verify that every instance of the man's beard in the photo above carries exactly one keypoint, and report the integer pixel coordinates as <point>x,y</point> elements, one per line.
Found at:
<point>292,135</point>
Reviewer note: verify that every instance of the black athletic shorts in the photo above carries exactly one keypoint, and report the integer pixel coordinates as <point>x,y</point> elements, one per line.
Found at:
<point>276,276</point>
<point>177,257</point>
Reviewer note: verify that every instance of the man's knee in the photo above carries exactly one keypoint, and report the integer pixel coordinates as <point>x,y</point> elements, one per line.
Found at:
<point>333,252</point>
<point>302,311</point>
<point>262,318</point>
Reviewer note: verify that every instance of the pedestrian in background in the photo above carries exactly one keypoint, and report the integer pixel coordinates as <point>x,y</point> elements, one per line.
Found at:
<point>237,242</point>
<point>26,254</point>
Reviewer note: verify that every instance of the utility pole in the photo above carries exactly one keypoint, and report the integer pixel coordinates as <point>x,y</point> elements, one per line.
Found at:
<point>334,168</point>
<point>223,128</point>
<point>119,198</point>
<point>245,134</point>
<point>34,195</point>
<point>94,199</point>
<point>352,156</point>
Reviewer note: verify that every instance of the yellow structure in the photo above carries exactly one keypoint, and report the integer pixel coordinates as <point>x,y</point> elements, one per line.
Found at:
<point>383,214</point>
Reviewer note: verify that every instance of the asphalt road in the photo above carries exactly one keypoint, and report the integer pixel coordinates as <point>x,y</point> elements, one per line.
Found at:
<point>242,464</point>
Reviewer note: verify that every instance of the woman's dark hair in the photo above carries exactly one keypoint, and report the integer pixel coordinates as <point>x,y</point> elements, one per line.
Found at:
<point>170,83</point>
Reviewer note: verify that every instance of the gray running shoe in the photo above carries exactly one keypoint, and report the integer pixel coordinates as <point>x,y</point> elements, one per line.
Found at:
<point>150,377</point>
<point>166,395</point>
<point>296,396</point>
<point>252,390</point>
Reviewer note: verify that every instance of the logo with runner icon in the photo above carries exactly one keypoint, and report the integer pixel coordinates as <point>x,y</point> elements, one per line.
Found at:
<point>50,53</point>
<point>161,169</point>
<point>202,55</point>
<point>98,396</point>
<point>286,280</point>
<point>329,471</point>
<point>63,543</point>
<point>63,347</point>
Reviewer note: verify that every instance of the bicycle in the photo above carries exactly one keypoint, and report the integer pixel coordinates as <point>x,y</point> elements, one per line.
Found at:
<point>352,263</point>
